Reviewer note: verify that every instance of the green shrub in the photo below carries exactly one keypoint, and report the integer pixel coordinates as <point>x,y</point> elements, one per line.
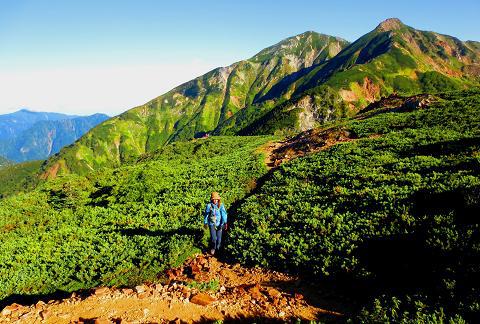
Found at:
<point>399,207</point>
<point>120,226</point>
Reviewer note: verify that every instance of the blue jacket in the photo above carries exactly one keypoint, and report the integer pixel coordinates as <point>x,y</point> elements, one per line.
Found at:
<point>220,213</point>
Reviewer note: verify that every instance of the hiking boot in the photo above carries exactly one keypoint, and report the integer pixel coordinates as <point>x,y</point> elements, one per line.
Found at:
<point>212,251</point>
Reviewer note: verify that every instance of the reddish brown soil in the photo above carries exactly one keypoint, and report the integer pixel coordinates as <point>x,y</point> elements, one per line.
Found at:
<point>241,294</point>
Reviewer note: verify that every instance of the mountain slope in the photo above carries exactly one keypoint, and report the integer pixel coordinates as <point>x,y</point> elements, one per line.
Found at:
<point>289,87</point>
<point>389,199</point>
<point>45,137</point>
<point>196,107</point>
<point>393,58</point>
<point>392,210</point>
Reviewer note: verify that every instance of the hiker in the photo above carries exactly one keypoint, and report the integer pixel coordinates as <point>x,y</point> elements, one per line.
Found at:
<point>216,219</point>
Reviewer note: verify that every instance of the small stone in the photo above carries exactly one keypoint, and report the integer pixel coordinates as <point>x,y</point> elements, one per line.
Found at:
<point>255,292</point>
<point>274,293</point>
<point>195,269</point>
<point>142,295</point>
<point>222,289</point>
<point>64,315</point>
<point>102,291</point>
<point>202,299</point>
<point>100,320</point>
<point>298,296</point>
<point>127,291</point>
<point>25,316</point>
<point>176,321</point>
<point>39,305</point>
<point>45,314</point>
<point>140,289</point>
<point>281,314</point>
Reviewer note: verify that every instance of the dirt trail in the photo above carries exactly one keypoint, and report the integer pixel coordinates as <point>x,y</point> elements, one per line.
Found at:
<point>204,289</point>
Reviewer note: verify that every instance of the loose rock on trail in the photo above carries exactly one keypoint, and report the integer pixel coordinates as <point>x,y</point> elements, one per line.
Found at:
<point>202,289</point>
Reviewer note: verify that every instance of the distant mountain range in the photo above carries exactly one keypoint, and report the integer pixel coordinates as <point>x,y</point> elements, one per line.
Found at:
<point>27,135</point>
<point>301,82</point>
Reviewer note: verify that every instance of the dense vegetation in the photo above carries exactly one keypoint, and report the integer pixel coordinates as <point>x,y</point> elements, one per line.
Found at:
<point>397,208</point>
<point>391,215</point>
<point>120,226</point>
<point>392,212</point>
<point>18,177</point>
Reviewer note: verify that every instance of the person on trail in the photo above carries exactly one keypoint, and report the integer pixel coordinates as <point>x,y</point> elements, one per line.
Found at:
<point>215,218</point>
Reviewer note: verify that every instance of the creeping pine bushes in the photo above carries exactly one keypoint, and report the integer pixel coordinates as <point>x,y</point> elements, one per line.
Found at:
<point>124,225</point>
<point>400,209</point>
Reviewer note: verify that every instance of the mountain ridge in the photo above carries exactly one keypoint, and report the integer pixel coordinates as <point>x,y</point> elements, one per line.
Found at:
<point>391,58</point>
<point>196,107</point>
<point>293,85</point>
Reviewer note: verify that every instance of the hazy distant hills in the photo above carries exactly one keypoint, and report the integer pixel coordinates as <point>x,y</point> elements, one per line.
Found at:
<point>15,123</point>
<point>28,135</point>
<point>301,82</point>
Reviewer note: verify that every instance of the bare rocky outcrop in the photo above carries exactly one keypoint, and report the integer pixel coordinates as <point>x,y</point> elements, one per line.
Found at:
<point>396,103</point>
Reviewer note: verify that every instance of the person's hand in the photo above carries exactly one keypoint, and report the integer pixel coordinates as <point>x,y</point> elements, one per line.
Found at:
<point>225,226</point>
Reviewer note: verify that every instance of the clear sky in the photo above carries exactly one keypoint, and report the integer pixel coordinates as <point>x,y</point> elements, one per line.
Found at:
<point>85,56</point>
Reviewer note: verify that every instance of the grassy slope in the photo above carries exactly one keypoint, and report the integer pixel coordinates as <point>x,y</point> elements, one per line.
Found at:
<point>120,226</point>
<point>398,211</point>
<point>195,107</point>
<point>18,177</point>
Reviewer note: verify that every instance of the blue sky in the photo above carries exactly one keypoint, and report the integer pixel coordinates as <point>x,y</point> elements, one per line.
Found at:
<point>107,56</point>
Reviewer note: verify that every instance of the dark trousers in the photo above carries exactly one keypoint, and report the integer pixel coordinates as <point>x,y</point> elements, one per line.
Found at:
<point>215,237</point>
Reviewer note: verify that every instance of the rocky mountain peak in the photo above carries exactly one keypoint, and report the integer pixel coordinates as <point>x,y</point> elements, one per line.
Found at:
<point>390,24</point>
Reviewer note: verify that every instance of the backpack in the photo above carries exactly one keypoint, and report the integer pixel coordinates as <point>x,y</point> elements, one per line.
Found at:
<point>212,217</point>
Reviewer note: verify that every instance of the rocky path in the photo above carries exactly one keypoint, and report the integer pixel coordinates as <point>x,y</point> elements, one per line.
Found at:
<point>203,289</point>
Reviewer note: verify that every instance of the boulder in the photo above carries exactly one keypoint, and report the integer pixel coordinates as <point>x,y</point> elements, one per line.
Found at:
<point>10,309</point>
